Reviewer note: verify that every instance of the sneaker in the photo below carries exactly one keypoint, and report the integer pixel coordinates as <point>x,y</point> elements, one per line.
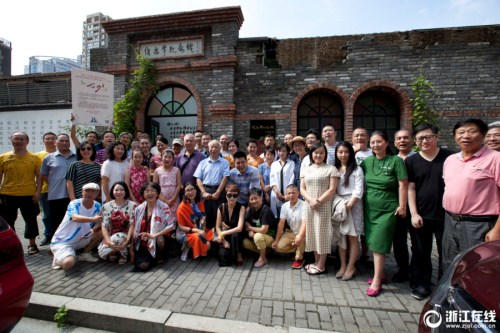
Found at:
<point>88,257</point>
<point>184,255</point>
<point>297,264</point>
<point>45,241</point>
<point>55,264</point>
<point>419,293</point>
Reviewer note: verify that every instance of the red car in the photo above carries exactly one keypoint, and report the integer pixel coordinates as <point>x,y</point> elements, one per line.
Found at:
<point>467,298</point>
<point>16,282</point>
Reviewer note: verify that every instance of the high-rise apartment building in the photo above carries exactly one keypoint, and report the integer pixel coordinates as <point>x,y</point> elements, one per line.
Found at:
<point>93,36</point>
<point>5,57</point>
<point>44,64</point>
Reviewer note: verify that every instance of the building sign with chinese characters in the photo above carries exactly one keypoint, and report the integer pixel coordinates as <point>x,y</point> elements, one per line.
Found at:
<point>173,48</point>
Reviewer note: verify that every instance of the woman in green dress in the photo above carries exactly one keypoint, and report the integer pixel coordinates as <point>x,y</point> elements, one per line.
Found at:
<point>385,198</point>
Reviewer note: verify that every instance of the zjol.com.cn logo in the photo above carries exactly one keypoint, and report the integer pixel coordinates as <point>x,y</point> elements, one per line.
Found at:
<point>462,319</point>
<point>432,319</point>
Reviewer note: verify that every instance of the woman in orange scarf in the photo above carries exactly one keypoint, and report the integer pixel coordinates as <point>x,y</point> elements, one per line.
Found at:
<point>191,222</point>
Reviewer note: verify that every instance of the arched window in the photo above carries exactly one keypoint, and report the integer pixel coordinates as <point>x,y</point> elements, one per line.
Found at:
<point>318,109</point>
<point>172,111</point>
<point>377,110</point>
<point>172,101</point>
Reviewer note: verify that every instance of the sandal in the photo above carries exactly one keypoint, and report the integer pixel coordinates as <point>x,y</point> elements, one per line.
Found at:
<point>33,249</point>
<point>306,267</point>
<point>313,270</point>
<point>122,260</point>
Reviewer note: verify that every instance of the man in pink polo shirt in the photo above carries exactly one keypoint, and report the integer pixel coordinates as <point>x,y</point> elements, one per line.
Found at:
<point>472,190</point>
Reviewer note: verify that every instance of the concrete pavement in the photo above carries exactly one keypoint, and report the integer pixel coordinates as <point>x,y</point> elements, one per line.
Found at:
<point>201,296</point>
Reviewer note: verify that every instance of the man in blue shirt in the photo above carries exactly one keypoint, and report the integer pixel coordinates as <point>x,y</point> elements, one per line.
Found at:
<point>245,176</point>
<point>211,176</point>
<point>53,171</point>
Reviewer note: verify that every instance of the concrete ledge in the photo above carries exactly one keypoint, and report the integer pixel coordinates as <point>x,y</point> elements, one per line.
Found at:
<point>189,323</point>
<point>99,315</point>
<point>132,319</point>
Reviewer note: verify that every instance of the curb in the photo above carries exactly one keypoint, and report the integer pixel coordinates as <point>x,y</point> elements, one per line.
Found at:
<point>124,318</point>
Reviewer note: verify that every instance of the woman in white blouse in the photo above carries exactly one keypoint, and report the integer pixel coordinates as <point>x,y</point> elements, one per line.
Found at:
<point>282,175</point>
<point>350,188</point>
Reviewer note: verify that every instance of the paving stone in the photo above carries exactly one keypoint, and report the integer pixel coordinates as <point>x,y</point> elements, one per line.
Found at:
<point>313,320</point>
<point>389,327</point>
<point>289,318</point>
<point>266,316</point>
<point>277,321</point>
<point>347,314</point>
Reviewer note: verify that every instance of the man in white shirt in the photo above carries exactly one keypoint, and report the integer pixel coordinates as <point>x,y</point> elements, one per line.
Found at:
<point>291,215</point>
<point>80,229</point>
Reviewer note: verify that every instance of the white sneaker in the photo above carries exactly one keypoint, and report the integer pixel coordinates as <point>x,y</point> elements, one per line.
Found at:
<point>184,254</point>
<point>55,264</point>
<point>88,257</point>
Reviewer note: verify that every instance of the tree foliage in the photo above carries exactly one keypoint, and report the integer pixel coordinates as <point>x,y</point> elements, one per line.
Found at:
<point>423,93</point>
<point>143,81</point>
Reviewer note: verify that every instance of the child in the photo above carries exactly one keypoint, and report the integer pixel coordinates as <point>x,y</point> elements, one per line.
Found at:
<point>169,178</point>
<point>136,175</point>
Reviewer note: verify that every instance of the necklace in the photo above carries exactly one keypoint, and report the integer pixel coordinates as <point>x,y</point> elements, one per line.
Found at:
<point>381,168</point>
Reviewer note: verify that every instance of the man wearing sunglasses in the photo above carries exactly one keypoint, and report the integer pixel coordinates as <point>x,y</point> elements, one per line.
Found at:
<point>211,177</point>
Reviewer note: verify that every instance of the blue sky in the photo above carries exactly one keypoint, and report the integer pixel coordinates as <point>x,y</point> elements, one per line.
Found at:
<point>54,27</point>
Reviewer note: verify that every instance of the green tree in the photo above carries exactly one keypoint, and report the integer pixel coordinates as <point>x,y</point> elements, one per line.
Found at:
<point>423,93</point>
<point>143,81</point>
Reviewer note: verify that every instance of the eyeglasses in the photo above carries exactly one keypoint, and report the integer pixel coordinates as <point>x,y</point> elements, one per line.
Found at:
<point>229,195</point>
<point>425,137</point>
<point>85,148</point>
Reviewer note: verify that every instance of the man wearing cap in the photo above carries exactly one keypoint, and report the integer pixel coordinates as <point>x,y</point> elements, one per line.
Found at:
<point>177,145</point>
<point>80,229</point>
<point>298,145</point>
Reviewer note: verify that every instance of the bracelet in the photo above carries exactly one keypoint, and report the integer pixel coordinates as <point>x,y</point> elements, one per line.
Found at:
<point>190,230</point>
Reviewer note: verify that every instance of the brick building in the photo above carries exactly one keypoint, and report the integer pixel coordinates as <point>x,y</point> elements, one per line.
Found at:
<point>209,78</point>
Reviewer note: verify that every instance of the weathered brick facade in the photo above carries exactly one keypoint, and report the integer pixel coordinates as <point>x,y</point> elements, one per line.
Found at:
<point>232,83</point>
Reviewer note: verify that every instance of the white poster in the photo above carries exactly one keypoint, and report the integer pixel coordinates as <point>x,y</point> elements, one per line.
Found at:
<point>35,123</point>
<point>92,94</point>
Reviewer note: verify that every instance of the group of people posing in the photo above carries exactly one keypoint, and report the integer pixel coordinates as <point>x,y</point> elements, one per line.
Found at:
<point>310,194</point>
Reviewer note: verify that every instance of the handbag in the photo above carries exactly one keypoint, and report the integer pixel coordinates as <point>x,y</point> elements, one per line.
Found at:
<point>339,210</point>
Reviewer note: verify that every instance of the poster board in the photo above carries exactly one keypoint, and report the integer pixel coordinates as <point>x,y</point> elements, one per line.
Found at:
<point>92,97</point>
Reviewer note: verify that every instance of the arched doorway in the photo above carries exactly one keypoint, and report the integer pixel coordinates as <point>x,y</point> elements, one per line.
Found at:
<point>377,110</point>
<point>320,108</point>
<point>171,111</point>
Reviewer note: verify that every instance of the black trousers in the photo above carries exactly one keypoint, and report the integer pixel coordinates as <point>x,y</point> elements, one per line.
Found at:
<point>57,209</point>
<point>211,206</point>
<point>9,205</point>
<point>400,244</point>
<point>421,251</point>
